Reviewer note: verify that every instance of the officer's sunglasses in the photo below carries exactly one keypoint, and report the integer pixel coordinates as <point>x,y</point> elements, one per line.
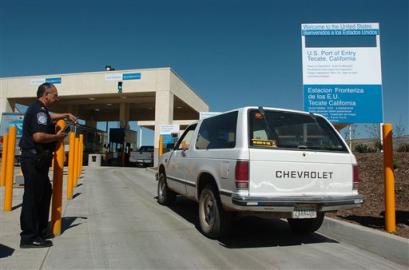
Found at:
<point>55,96</point>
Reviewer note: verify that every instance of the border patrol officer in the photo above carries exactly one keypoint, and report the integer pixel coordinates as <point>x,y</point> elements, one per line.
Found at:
<point>37,146</point>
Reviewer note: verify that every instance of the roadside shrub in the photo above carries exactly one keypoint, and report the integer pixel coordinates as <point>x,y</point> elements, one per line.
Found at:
<point>403,147</point>
<point>363,148</point>
<point>396,164</point>
<point>378,146</point>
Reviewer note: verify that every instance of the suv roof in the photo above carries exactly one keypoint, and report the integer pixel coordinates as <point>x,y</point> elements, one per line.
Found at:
<point>246,108</point>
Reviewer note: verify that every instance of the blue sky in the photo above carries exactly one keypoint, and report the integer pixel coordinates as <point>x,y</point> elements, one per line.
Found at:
<point>233,53</point>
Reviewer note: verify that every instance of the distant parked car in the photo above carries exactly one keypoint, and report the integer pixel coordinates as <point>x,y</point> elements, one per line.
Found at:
<point>143,156</point>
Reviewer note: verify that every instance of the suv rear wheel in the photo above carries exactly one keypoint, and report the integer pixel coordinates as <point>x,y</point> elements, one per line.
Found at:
<point>306,225</point>
<point>214,221</point>
<point>165,195</point>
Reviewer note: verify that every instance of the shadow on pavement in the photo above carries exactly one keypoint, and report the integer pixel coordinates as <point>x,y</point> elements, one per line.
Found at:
<point>368,221</point>
<point>67,223</point>
<point>257,232</point>
<point>16,206</point>
<point>250,232</point>
<point>5,251</point>
<point>186,209</point>
<point>402,217</point>
<point>76,195</point>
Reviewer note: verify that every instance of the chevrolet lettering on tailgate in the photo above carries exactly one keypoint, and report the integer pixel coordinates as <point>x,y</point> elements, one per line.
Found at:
<point>303,174</point>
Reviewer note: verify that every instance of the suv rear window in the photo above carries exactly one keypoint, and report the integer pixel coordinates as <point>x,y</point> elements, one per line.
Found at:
<point>289,130</point>
<point>218,132</point>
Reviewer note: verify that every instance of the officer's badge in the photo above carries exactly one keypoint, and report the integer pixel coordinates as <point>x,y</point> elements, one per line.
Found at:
<point>42,118</point>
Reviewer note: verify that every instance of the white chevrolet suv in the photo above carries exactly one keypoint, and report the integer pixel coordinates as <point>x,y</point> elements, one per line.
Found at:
<point>261,161</point>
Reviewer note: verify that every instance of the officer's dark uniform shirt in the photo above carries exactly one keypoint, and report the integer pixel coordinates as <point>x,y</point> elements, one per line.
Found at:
<point>36,119</point>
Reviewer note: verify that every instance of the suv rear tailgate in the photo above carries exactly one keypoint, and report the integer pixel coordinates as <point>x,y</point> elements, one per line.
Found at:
<point>275,173</point>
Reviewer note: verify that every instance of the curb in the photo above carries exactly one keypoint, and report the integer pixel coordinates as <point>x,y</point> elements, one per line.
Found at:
<point>153,170</point>
<point>389,246</point>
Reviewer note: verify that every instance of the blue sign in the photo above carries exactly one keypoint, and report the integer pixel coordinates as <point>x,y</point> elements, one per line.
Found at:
<point>342,74</point>
<point>19,127</point>
<point>12,119</point>
<point>131,76</point>
<point>167,139</point>
<point>53,80</point>
<point>345,103</point>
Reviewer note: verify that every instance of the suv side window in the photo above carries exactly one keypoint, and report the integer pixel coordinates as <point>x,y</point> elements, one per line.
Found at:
<point>185,141</point>
<point>218,132</point>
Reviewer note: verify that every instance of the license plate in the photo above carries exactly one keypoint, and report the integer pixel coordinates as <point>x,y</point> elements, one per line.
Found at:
<point>304,213</point>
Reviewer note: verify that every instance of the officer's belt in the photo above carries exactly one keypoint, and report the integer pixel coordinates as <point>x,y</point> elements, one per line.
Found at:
<point>29,151</point>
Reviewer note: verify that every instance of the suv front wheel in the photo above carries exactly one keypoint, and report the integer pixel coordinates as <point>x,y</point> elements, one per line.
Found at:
<point>214,221</point>
<point>165,195</point>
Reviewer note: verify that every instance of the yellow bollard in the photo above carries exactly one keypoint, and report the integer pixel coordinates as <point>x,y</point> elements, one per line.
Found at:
<point>8,190</point>
<point>160,145</point>
<point>77,144</point>
<point>4,160</point>
<point>78,160</point>
<point>81,159</point>
<point>71,162</point>
<point>56,208</point>
<point>390,219</point>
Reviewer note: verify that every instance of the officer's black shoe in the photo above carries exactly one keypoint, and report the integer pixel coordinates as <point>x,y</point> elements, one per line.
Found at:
<point>39,243</point>
<point>48,236</point>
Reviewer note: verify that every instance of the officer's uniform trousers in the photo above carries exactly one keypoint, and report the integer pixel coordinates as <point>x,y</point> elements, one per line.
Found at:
<point>36,200</point>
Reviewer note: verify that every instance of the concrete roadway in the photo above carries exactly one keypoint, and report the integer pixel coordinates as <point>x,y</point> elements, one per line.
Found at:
<point>114,222</point>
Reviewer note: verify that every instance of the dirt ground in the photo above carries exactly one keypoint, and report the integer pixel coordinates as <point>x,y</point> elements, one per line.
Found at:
<point>371,214</point>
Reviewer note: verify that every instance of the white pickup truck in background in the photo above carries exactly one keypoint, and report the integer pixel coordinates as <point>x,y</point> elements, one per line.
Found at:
<point>143,156</point>
<point>261,161</point>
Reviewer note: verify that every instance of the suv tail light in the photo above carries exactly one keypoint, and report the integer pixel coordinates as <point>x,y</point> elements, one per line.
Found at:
<point>242,174</point>
<point>355,177</point>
